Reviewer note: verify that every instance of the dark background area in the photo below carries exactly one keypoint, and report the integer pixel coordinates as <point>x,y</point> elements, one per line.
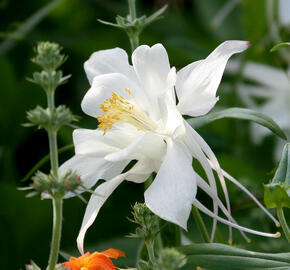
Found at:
<point>188,33</point>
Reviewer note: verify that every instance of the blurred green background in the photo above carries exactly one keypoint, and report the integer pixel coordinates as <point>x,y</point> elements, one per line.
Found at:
<point>190,30</point>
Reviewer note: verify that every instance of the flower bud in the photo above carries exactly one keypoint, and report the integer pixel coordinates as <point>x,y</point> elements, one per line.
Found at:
<point>147,221</point>
<point>169,259</point>
<point>50,119</point>
<point>48,56</point>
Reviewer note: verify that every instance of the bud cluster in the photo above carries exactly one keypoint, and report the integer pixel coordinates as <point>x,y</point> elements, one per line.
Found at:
<point>48,56</point>
<point>48,184</point>
<point>49,80</point>
<point>50,119</point>
<point>148,223</point>
<point>169,259</point>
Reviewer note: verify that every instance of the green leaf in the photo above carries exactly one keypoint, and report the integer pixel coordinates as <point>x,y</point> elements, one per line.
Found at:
<point>224,257</point>
<point>43,161</point>
<point>276,195</point>
<point>282,174</point>
<point>279,46</point>
<point>239,113</point>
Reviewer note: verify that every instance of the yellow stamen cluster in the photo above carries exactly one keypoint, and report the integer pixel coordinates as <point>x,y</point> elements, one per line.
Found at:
<point>118,109</point>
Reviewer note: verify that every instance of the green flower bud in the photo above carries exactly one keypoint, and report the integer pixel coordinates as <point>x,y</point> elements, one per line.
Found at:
<point>50,120</point>
<point>169,259</point>
<point>48,184</point>
<point>48,56</point>
<point>49,80</point>
<point>147,221</point>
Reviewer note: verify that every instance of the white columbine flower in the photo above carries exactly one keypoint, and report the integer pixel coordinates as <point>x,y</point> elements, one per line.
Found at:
<point>140,119</point>
<point>272,87</point>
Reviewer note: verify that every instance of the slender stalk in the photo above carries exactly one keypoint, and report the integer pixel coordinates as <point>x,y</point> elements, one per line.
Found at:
<point>150,249</point>
<point>52,137</point>
<point>283,223</point>
<point>132,9</point>
<point>134,41</point>
<point>56,231</point>
<point>200,224</point>
<point>57,199</point>
<point>133,35</point>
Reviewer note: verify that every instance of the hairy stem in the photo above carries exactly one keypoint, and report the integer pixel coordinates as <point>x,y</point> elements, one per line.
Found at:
<point>56,231</point>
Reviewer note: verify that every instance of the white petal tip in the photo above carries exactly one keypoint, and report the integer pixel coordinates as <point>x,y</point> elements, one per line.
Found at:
<point>230,242</point>
<point>249,240</point>
<point>277,224</point>
<point>277,235</point>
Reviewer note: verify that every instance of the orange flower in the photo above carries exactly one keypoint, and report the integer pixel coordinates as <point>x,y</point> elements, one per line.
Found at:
<point>95,261</point>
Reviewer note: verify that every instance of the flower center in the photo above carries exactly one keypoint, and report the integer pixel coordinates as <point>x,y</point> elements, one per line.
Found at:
<point>84,268</point>
<point>118,109</point>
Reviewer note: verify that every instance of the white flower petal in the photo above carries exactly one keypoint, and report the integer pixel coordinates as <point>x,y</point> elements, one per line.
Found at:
<point>109,61</point>
<point>97,200</point>
<point>260,73</point>
<point>103,87</point>
<point>197,93</point>
<point>139,173</point>
<point>173,190</point>
<point>94,143</point>
<point>148,145</point>
<point>152,68</point>
<point>91,169</point>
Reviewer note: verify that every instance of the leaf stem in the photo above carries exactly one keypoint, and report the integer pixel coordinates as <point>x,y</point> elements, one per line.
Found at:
<point>133,35</point>
<point>200,224</point>
<point>56,231</point>
<point>132,9</point>
<point>150,249</point>
<point>281,217</point>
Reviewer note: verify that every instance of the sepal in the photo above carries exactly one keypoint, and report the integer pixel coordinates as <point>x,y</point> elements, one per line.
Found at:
<point>277,193</point>
<point>49,184</point>
<point>50,119</point>
<point>49,80</point>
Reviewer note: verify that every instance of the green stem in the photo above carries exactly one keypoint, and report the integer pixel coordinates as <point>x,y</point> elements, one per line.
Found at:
<point>132,9</point>
<point>200,224</point>
<point>133,35</point>
<point>283,223</point>
<point>134,41</point>
<point>150,249</point>
<point>50,99</point>
<point>52,137</point>
<point>56,231</point>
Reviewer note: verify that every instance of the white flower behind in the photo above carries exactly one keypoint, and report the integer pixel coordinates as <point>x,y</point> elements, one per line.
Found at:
<point>139,119</point>
<point>271,86</point>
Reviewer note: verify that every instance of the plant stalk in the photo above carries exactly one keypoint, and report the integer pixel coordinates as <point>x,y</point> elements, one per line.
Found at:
<point>200,224</point>
<point>56,231</point>
<point>281,217</point>
<point>133,35</point>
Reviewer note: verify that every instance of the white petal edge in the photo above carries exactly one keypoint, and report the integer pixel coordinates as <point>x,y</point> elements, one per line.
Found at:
<point>197,93</point>
<point>139,173</point>
<point>108,61</point>
<point>91,169</point>
<point>173,190</point>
